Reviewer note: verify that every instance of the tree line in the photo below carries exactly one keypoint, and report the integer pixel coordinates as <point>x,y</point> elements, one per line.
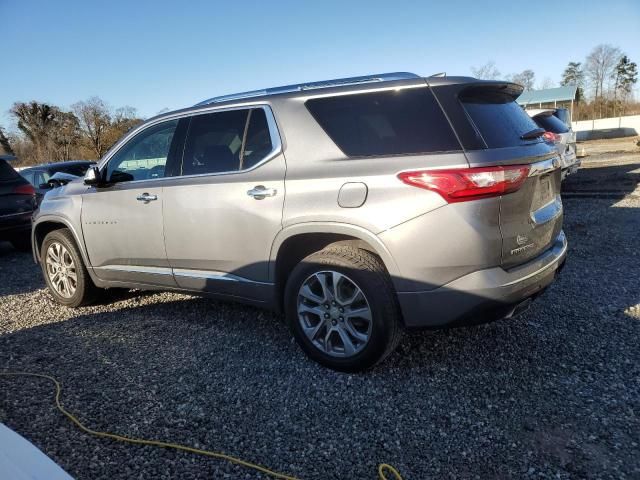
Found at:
<point>47,133</point>
<point>605,81</point>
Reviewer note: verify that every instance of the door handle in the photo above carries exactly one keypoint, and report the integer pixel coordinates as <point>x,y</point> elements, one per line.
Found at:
<point>259,192</point>
<point>146,198</point>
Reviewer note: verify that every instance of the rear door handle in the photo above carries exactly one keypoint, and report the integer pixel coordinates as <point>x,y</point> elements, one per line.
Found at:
<point>146,198</point>
<point>259,192</point>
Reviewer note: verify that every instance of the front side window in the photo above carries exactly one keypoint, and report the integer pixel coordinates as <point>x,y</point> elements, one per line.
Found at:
<point>227,141</point>
<point>144,157</point>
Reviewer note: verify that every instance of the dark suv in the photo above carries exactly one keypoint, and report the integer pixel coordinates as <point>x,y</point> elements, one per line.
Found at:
<point>17,203</point>
<point>40,175</point>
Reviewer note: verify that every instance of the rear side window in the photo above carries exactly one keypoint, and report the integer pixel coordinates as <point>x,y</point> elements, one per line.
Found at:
<point>551,123</point>
<point>7,172</point>
<point>407,121</point>
<point>258,140</point>
<point>227,141</point>
<point>497,117</point>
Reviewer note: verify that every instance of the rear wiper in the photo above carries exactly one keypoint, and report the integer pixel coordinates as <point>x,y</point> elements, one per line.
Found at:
<point>535,133</point>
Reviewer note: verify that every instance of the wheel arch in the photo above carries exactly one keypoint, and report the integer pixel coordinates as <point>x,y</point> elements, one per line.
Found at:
<point>45,225</point>
<point>298,241</point>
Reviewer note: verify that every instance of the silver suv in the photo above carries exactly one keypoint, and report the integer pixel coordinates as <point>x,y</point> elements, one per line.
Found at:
<point>360,207</point>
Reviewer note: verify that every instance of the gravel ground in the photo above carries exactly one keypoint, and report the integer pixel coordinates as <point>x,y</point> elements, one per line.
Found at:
<point>554,393</point>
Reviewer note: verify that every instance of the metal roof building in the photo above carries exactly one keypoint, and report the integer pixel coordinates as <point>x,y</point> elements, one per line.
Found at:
<point>549,97</point>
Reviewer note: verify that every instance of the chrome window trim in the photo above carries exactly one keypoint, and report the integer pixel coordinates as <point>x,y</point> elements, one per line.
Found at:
<point>213,275</point>
<point>274,133</point>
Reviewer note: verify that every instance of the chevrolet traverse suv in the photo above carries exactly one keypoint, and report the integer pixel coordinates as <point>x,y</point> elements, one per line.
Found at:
<point>359,207</point>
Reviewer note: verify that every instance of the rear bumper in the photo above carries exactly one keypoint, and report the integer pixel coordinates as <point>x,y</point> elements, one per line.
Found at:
<point>485,295</point>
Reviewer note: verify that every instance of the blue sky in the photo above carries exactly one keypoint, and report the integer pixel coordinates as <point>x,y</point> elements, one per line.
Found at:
<point>162,54</point>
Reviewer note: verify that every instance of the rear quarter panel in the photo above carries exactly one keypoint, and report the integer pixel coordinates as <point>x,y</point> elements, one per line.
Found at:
<point>317,169</point>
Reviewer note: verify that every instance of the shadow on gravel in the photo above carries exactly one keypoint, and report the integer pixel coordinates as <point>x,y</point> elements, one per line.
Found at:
<point>492,401</point>
<point>17,271</point>
<point>603,182</point>
<point>551,393</point>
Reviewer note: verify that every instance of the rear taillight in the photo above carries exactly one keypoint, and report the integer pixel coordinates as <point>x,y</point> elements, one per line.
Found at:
<point>463,184</point>
<point>24,190</point>
<point>551,137</point>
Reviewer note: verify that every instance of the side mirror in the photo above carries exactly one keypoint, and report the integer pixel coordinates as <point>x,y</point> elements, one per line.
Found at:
<point>45,186</point>
<point>92,177</point>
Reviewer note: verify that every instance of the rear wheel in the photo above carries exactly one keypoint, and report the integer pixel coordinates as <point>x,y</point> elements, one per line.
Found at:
<point>64,271</point>
<point>342,308</point>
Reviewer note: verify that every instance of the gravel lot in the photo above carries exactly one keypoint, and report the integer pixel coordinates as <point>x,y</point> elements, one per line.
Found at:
<point>554,393</point>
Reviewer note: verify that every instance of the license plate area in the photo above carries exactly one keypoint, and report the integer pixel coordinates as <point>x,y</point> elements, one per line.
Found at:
<point>544,192</point>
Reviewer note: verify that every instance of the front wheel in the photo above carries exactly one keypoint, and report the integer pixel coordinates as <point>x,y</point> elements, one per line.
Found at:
<point>64,271</point>
<point>342,308</point>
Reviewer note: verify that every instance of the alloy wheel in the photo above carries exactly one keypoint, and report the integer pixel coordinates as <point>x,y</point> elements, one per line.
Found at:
<point>334,314</point>
<point>61,270</point>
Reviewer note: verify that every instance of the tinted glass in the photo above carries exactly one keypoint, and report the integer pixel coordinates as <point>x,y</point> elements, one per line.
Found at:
<point>551,123</point>
<point>28,176</point>
<point>145,156</point>
<point>214,143</point>
<point>258,140</point>
<point>498,118</point>
<point>7,172</point>
<point>385,123</point>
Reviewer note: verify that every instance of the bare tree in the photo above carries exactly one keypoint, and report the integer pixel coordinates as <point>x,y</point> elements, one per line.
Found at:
<point>65,135</point>
<point>95,120</point>
<point>525,78</point>
<point>547,83</point>
<point>599,66</point>
<point>5,144</point>
<point>123,120</point>
<point>488,71</point>
<point>36,121</point>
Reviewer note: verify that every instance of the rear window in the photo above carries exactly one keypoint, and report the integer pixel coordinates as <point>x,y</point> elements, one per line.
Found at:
<point>551,123</point>
<point>7,172</point>
<point>498,118</point>
<point>407,121</point>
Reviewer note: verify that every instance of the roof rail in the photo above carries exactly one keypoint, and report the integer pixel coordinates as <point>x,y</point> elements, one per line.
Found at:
<point>383,77</point>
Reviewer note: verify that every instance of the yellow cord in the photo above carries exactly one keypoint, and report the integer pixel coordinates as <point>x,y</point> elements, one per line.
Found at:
<point>139,441</point>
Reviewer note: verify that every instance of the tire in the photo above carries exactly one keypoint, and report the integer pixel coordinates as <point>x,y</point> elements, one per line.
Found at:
<point>22,242</point>
<point>310,309</point>
<point>78,292</point>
